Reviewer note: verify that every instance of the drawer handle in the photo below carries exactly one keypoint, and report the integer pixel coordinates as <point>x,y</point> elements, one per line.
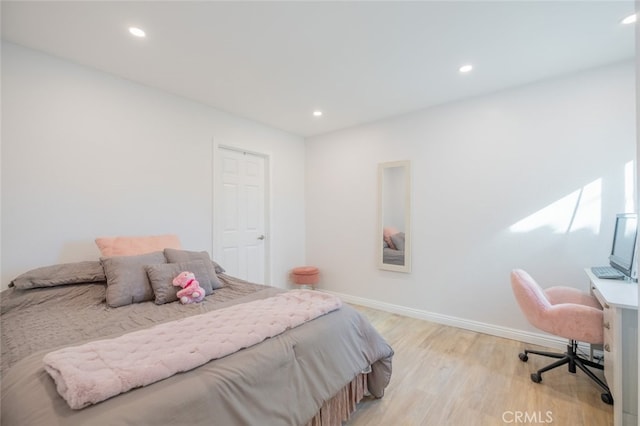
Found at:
<point>607,325</point>
<point>607,347</point>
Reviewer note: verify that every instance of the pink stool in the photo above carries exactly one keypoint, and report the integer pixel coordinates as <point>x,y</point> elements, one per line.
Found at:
<point>305,276</point>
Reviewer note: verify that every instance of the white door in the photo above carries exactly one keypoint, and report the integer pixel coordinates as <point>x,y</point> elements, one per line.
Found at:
<point>241,214</point>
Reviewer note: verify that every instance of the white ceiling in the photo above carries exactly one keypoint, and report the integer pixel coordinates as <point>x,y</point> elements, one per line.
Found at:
<point>276,62</point>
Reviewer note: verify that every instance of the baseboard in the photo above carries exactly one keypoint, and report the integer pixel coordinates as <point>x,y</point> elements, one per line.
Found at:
<point>494,330</point>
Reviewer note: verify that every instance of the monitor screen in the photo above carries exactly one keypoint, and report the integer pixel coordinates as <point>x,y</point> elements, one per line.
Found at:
<point>624,243</point>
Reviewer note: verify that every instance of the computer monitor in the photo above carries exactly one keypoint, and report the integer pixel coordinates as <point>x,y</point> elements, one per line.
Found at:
<point>623,248</point>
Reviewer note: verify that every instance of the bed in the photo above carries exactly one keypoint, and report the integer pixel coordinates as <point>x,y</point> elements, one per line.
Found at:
<point>393,242</point>
<point>313,374</point>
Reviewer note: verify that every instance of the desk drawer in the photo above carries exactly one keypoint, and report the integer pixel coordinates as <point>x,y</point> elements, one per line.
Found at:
<point>609,345</point>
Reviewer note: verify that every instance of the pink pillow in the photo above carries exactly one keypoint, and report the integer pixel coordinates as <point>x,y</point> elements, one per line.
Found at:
<point>131,246</point>
<point>386,236</point>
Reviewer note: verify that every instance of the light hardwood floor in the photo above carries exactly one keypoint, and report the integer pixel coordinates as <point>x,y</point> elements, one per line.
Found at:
<point>448,376</point>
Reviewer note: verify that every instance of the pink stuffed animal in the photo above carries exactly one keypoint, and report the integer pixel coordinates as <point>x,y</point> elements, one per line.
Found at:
<point>191,291</point>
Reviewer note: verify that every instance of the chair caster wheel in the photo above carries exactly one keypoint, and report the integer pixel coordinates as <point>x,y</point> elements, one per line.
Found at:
<point>607,398</point>
<point>536,378</point>
<point>523,357</point>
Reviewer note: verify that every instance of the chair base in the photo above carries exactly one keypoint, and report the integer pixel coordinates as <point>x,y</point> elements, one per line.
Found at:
<point>573,360</point>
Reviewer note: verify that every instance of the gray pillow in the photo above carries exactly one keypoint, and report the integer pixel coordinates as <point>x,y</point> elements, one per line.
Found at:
<point>177,256</point>
<point>161,278</point>
<point>398,240</point>
<point>127,280</point>
<point>60,274</point>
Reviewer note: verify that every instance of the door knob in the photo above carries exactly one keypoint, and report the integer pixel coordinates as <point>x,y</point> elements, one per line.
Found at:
<point>261,237</point>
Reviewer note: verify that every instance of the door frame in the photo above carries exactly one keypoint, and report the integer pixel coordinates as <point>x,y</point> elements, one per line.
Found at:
<point>217,190</point>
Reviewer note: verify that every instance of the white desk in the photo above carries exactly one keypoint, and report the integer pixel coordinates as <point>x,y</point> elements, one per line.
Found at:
<point>619,300</point>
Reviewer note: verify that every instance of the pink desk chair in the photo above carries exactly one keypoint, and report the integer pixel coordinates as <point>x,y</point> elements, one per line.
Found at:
<point>565,312</point>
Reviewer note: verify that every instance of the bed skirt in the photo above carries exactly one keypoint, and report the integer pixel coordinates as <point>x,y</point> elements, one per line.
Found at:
<point>340,407</point>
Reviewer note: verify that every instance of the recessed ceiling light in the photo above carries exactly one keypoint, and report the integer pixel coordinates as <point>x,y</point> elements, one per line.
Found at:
<point>317,113</point>
<point>465,68</point>
<point>137,32</point>
<point>630,19</point>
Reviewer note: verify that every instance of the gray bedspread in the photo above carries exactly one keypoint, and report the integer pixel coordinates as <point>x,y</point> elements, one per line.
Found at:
<point>281,381</point>
<point>392,257</point>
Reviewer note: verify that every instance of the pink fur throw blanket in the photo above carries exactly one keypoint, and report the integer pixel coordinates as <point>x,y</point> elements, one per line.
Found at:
<point>98,370</point>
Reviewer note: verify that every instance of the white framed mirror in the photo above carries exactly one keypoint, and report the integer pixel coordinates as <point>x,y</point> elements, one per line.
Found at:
<point>394,216</point>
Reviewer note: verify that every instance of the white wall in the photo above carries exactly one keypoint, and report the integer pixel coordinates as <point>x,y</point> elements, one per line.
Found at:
<point>87,154</point>
<point>394,198</point>
<point>479,167</point>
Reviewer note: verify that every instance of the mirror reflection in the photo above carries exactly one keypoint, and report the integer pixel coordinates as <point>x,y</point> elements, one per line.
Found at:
<point>393,216</point>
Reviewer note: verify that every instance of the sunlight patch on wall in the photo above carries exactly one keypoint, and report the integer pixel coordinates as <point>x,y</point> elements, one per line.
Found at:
<point>581,209</point>
<point>629,187</point>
